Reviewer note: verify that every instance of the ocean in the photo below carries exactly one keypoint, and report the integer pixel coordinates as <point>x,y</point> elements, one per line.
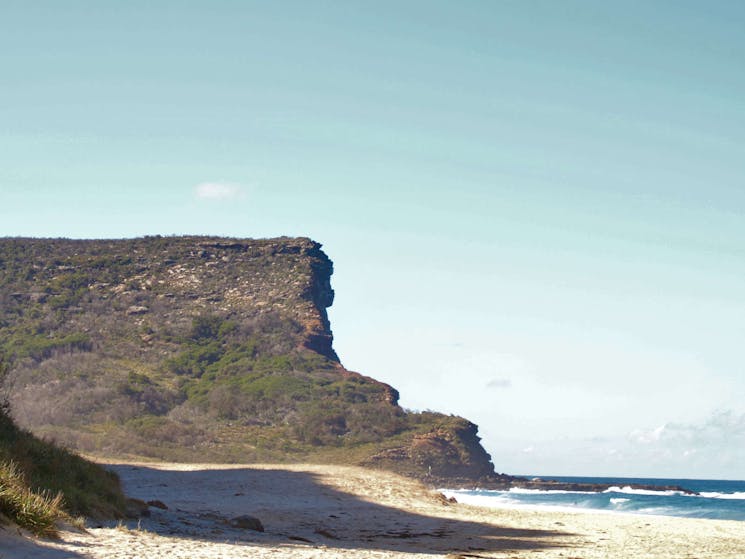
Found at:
<point>723,500</point>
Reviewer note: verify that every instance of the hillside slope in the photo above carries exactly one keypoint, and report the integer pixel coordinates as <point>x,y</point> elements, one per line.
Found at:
<point>199,348</point>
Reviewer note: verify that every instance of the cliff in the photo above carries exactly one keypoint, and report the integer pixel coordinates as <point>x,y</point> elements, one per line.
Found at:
<point>201,348</point>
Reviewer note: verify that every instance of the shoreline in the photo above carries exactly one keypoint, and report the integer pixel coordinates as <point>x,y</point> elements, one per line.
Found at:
<point>723,504</point>
<point>312,511</point>
<point>563,509</point>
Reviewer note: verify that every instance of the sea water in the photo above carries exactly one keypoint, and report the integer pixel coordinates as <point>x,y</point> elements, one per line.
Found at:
<point>724,500</point>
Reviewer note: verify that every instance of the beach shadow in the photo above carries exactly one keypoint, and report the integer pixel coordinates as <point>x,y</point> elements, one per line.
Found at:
<point>36,548</point>
<point>297,508</point>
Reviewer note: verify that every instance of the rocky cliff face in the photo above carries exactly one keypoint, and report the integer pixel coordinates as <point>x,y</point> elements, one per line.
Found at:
<point>194,348</point>
<point>319,337</point>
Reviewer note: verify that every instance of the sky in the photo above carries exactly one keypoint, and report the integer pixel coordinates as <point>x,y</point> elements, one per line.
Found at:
<point>535,209</point>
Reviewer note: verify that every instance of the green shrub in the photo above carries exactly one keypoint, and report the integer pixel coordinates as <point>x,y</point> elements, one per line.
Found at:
<point>195,360</point>
<point>39,347</point>
<point>205,327</point>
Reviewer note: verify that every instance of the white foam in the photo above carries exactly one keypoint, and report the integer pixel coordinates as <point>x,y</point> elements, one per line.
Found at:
<point>631,491</point>
<point>521,491</point>
<point>620,505</point>
<point>501,500</point>
<point>491,500</point>
<point>714,495</point>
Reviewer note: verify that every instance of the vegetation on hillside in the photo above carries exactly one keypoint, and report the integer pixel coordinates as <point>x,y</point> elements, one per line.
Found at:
<point>196,348</point>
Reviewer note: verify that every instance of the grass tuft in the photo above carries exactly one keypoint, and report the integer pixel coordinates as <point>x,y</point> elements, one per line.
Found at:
<point>37,512</point>
<point>41,483</point>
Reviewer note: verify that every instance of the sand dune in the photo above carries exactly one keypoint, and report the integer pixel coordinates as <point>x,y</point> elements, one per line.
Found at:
<point>313,511</point>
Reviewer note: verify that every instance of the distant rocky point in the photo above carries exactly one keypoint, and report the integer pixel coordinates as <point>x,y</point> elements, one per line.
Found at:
<point>582,487</point>
<point>204,349</point>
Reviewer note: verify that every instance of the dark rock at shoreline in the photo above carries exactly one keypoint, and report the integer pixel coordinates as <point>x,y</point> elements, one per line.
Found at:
<point>553,485</point>
<point>504,483</point>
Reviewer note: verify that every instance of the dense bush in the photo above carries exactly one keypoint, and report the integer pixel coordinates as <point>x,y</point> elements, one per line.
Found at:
<point>39,347</point>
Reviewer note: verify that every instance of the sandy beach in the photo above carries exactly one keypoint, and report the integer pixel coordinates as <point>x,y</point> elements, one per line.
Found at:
<point>311,511</point>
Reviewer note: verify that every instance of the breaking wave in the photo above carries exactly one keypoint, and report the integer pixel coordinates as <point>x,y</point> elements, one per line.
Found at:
<point>739,495</point>
<point>631,491</point>
<point>715,499</point>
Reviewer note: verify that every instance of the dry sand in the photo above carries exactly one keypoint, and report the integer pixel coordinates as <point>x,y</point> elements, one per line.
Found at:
<point>333,512</point>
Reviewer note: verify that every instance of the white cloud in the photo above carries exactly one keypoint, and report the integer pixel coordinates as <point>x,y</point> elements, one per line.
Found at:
<point>720,428</point>
<point>218,191</point>
<point>710,448</point>
<point>499,383</point>
<point>650,436</point>
<point>713,447</point>
<point>723,427</point>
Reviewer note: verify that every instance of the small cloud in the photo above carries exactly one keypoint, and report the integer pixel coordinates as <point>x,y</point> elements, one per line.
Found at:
<point>651,436</point>
<point>499,383</point>
<point>723,429</point>
<point>218,191</point>
<point>528,450</point>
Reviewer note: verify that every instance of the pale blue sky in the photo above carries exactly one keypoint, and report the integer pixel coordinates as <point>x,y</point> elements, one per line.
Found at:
<point>535,208</point>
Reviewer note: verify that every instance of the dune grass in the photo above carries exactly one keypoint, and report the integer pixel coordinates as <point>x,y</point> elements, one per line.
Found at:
<point>41,483</point>
<point>37,512</point>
